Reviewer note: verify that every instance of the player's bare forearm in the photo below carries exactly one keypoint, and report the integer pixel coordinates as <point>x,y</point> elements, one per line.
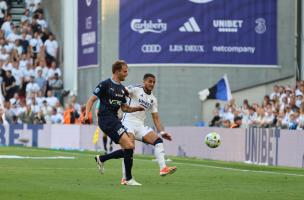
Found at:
<point>160,128</point>
<point>89,105</point>
<point>157,122</point>
<point>129,109</point>
<point>96,113</point>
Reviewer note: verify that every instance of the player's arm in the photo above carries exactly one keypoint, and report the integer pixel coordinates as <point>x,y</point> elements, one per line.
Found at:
<point>96,112</point>
<point>98,92</point>
<point>159,126</point>
<point>125,107</point>
<point>89,105</point>
<point>97,109</point>
<point>128,109</point>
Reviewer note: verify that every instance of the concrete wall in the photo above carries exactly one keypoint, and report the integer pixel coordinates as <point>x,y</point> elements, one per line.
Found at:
<point>53,14</point>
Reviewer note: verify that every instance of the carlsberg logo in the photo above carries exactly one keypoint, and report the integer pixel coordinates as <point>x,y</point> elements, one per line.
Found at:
<point>143,26</point>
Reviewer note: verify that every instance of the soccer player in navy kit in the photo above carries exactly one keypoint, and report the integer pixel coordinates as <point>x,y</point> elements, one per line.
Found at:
<point>112,95</point>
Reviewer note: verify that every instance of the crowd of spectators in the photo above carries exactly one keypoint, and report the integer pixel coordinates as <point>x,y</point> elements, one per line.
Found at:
<point>283,108</point>
<point>31,81</point>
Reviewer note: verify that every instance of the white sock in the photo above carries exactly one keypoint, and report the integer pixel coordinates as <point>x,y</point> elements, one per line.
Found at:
<point>160,155</point>
<point>123,169</point>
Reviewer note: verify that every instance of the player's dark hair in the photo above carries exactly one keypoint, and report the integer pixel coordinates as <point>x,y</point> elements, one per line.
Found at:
<point>117,66</point>
<point>148,76</point>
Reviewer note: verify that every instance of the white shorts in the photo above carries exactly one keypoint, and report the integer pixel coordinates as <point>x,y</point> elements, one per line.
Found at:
<point>139,130</point>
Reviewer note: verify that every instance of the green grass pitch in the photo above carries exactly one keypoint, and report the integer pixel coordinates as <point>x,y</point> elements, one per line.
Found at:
<point>45,179</point>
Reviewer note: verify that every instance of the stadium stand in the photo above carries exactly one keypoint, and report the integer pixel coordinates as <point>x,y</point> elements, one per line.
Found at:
<point>283,108</point>
<point>31,81</point>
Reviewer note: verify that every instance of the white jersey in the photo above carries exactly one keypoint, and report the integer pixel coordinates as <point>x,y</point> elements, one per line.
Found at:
<point>138,97</point>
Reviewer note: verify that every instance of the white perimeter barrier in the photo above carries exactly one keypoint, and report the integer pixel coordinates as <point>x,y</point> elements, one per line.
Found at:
<point>255,145</point>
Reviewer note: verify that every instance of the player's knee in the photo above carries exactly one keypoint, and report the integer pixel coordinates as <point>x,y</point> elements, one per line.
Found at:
<point>157,141</point>
<point>129,145</point>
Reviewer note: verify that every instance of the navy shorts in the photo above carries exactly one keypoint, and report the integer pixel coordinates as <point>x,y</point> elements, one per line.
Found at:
<point>112,127</point>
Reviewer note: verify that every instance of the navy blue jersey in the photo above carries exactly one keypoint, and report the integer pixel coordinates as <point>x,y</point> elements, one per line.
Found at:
<point>111,96</point>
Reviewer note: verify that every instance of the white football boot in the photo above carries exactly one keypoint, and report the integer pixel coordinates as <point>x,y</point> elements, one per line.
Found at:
<point>132,182</point>
<point>100,164</point>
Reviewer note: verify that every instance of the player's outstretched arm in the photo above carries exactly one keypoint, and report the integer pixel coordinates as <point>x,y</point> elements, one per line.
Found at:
<point>89,105</point>
<point>159,127</point>
<point>128,109</point>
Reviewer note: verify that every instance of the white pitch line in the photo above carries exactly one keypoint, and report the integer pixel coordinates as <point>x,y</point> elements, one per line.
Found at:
<point>36,158</point>
<point>241,170</point>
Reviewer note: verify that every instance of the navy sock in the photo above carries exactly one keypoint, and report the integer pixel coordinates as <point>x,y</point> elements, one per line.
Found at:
<point>105,141</point>
<point>128,160</point>
<point>114,155</point>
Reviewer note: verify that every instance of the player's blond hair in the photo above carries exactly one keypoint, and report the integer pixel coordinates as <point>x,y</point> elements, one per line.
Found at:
<point>117,65</point>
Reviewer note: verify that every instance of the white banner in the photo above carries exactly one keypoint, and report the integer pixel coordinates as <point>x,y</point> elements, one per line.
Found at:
<point>258,146</point>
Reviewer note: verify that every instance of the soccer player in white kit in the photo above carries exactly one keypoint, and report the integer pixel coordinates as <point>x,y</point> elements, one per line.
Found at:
<point>134,122</point>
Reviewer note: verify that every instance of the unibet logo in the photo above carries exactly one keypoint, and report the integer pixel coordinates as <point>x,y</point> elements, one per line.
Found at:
<point>228,25</point>
<point>190,26</point>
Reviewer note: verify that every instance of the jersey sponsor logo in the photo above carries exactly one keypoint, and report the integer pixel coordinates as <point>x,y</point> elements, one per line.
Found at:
<point>119,95</point>
<point>112,93</point>
<point>115,102</point>
<point>144,103</point>
<point>143,26</point>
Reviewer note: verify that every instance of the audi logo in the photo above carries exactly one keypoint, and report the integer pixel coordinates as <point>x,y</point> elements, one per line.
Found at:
<point>151,48</point>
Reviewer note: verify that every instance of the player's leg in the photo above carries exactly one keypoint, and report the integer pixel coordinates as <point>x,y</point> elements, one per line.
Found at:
<point>128,145</point>
<point>105,141</point>
<point>124,178</point>
<point>159,151</point>
<point>120,153</point>
<point>101,159</point>
<point>116,137</point>
<point>118,133</point>
<point>153,139</point>
<point>111,145</point>
<point>115,131</point>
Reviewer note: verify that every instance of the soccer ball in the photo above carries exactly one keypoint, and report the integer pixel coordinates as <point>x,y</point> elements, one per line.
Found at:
<point>213,140</point>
